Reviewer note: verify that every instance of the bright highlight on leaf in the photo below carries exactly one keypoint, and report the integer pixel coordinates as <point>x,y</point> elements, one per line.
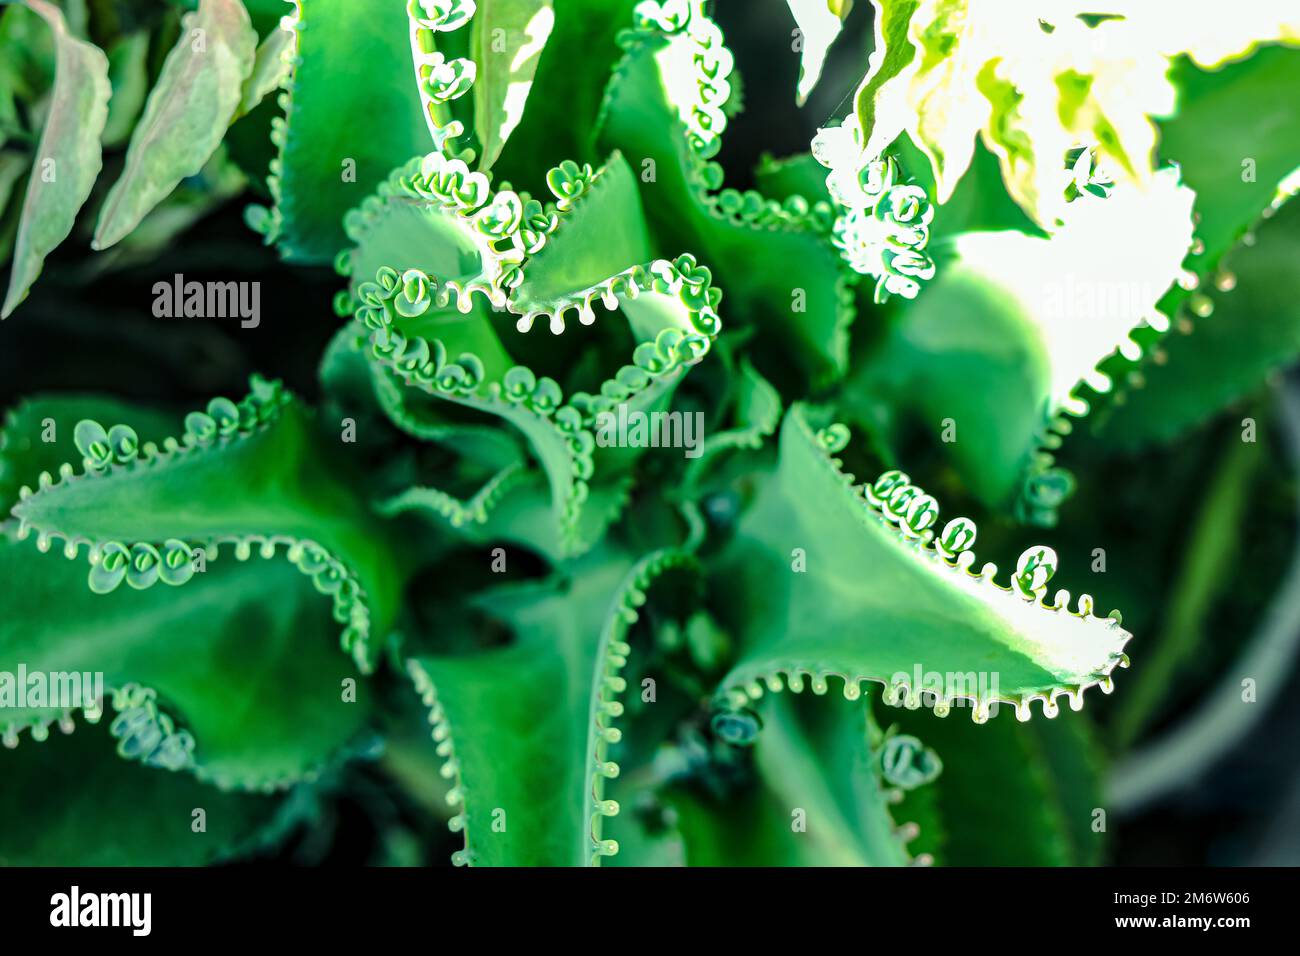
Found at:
<point>819,23</point>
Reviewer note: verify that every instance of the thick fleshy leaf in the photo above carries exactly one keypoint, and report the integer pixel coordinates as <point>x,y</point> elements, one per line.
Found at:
<point>508,39</point>
<point>238,674</point>
<point>529,759</point>
<point>757,414</point>
<point>98,809</point>
<point>271,66</point>
<point>819,798</point>
<point>568,88</point>
<point>431,245</point>
<point>676,79</point>
<point>892,53</point>
<point>1235,174</point>
<point>1237,178</point>
<point>339,138</point>
<point>839,586</point>
<point>1245,324</point>
<point>38,434</point>
<point>251,475</point>
<point>1013,794</point>
<point>1007,339</point>
<point>799,175</point>
<point>68,158</point>
<point>186,116</point>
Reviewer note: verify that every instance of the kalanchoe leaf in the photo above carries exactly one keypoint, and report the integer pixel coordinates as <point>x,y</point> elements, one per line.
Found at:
<point>599,231</point>
<point>1006,341</point>
<point>528,761</point>
<point>186,116</point>
<point>1240,100</point>
<point>272,65</point>
<point>339,138</point>
<point>1243,325</point>
<point>181,663</point>
<point>455,511</point>
<point>757,412</point>
<point>256,474</point>
<point>677,79</point>
<point>800,811</point>
<point>485,249</point>
<point>39,435</point>
<point>68,158</point>
<point>801,554</point>
<point>439,77</point>
<point>508,37</point>
<point>100,810</point>
<point>1048,777</point>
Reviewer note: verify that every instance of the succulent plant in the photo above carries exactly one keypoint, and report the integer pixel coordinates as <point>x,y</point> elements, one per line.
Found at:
<point>572,643</point>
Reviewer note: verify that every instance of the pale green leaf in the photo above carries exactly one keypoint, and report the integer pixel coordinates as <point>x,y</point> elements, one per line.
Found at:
<point>270,68</point>
<point>68,158</point>
<point>186,116</point>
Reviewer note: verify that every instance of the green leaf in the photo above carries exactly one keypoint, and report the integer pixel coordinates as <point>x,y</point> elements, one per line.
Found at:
<point>600,233</point>
<point>1236,172</point>
<point>340,138</point>
<point>1236,177</point>
<point>819,799</point>
<point>100,810</point>
<point>528,758</point>
<point>798,175</point>
<point>841,587</point>
<point>746,239</point>
<point>441,226</point>
<point>568,88</point>
<point>1007,339</point>
<point>68,158</point>
<point>248,683</point>
<point>1013,794</point>
<point>508,37</point>
<point>757,413</point>
<point>891,54</point>
<point>38,433</point>
<point>186,115</point>
<point>257,474</point>
<point>1245,324</point>
<point>271,67</point>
